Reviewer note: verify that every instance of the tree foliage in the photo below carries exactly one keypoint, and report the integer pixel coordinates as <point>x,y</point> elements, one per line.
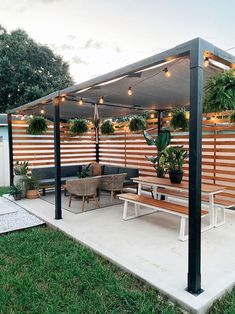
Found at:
<point>28,70</point>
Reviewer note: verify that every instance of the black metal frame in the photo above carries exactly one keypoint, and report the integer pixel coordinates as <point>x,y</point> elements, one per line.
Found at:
<point>196,49</point>
<point>10,145</point>
<point>58,211</point>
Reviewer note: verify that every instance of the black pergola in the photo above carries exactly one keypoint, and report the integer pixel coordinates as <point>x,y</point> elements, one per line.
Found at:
<point>152,90</point>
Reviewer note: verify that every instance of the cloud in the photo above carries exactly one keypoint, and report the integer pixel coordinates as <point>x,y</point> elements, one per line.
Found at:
<point>63,47</point>
<point>91,43</point>
<point>71,37</point>
<point>78,60</point>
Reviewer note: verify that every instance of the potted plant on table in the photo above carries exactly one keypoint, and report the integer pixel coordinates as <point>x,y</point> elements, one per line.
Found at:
<point>32,187</point>
<point>16,192</point>
<point>161,142</point>
<point>175,157</point>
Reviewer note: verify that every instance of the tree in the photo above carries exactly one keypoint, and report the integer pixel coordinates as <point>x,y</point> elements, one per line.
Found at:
<point>28,70</point>
<point>220,92</point>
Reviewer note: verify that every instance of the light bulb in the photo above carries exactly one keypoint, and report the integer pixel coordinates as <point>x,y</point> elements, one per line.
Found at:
<point>101,100</point>
<point>63,98</point>
<point>169,114</point>
<point>152,115</point>
<point>206,62</point>
<point>31,116</point>
<point>42,111</point>
<point>167,73</point>
<point>130,92</point>
<point>80,102</point>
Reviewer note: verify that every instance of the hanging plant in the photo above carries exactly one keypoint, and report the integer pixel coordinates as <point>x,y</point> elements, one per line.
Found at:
<point>78,126</point>
<point>37,125</point>
<point>232,117</point>
<point>137,123</point>
<point>179,120</point>
<point>220,92</point>
<point>107,128</point>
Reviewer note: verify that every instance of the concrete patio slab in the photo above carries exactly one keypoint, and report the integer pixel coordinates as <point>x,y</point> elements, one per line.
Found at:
<point>149,248</point>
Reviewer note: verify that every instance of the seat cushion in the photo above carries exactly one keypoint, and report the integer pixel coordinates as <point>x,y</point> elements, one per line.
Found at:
<point>109,170</point>
<point>131,172</point>
<point>70,171</point>
<point>43,173</point>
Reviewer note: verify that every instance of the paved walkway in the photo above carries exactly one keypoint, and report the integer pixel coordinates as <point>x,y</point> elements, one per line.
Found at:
<point>14,217</point>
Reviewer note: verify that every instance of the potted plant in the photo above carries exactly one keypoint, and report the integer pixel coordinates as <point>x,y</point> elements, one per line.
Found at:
<point>179,120</point>
<point>16,192</point>
<point>161,142</point>
<point>174,158</point>
<point>85,172</point>
<point>32,187</point>
<point>20,171</point>
<point>137,123</point>
<point>220,92</point>
<point>107,128</point>
<point>37,125</point>
<point>78,126</point>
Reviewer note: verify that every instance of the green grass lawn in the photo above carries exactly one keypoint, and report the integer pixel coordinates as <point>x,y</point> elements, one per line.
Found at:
<point>4,190</point>
<point>44,271</point>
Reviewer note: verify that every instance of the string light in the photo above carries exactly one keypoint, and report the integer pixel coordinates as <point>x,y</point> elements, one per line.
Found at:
<point>31,116</point>
<point>169,114</point>
<point>63,98</point>
<point>130,92</point>
<point>152,115</point>
<point>80,102</point>
<point>167,72</point>
<point>206,62</point>
<point>101,100</point>
<point>42,111</point>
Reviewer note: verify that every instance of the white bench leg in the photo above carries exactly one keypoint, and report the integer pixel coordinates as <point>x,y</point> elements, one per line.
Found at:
<point>222,213</point>
<point>125,210</point>
<point>182,229</point>
<point>212,210</point>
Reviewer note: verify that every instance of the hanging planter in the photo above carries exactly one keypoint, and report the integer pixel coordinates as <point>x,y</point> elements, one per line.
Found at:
<point>137,123</point>
<point>179,120</point>
<point>220,92</point>
<point>37,125</point>
<point>78,126</point>
<point>232,117</point>
<point>107,128</point>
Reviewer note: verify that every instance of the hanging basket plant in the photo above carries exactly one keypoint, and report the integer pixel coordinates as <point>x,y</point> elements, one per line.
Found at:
<point>232,117</point>
<point>37,125</point>
<point>220,92</point>
<point>78,126</point>
<point>137,123</point>
<point>179,120</point>
<point>107,128</point>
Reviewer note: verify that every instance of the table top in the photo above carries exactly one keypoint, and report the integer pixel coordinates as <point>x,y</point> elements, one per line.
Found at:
<point>165,182</point>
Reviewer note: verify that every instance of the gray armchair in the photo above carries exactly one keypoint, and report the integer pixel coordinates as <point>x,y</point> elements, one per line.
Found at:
<point>85,187</point>
<point>112,183</point>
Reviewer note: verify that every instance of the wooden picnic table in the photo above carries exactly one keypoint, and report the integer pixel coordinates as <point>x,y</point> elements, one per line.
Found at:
<point>207,189</point>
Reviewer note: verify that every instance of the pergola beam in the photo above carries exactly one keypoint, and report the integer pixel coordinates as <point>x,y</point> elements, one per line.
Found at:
<point>10,145</point>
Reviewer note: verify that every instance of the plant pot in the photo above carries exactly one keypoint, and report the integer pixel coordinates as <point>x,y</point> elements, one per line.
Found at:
<point>19,180</point>
<point>176,176</point>
<point>17,196</point>
<point>32,194</point>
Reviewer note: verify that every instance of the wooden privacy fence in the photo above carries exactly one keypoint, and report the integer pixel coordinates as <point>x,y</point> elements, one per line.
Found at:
<point>39,150</point>
<point>124,148</point>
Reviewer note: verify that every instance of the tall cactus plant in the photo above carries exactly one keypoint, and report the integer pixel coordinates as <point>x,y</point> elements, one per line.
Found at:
<point>161,142</point>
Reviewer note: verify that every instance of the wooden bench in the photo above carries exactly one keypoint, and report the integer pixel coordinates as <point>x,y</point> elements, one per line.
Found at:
<point>157,205</point>
<point>219,203</point>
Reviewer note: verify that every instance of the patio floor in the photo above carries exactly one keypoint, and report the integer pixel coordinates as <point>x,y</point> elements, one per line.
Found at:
<point>149,248</point>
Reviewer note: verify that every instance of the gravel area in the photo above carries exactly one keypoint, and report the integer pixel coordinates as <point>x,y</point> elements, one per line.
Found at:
<point>13,217</point>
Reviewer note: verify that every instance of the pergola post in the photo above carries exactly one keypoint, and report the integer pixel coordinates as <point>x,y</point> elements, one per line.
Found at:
<point>10,145</point>
<point>195,155</point>
<point>159,121</point>
<point>56,103</point>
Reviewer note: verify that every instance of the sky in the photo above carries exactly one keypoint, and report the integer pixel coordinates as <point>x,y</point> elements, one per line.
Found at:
<point>98,36</point>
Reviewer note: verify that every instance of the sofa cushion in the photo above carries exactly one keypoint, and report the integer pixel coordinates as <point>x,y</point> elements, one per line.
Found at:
<point>109,170</point>
<point>70,171</point>
<point>131,172</point>
<point>43,173</point>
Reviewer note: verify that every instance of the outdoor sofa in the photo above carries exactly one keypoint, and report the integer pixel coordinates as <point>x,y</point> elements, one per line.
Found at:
<point>46,176</point>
